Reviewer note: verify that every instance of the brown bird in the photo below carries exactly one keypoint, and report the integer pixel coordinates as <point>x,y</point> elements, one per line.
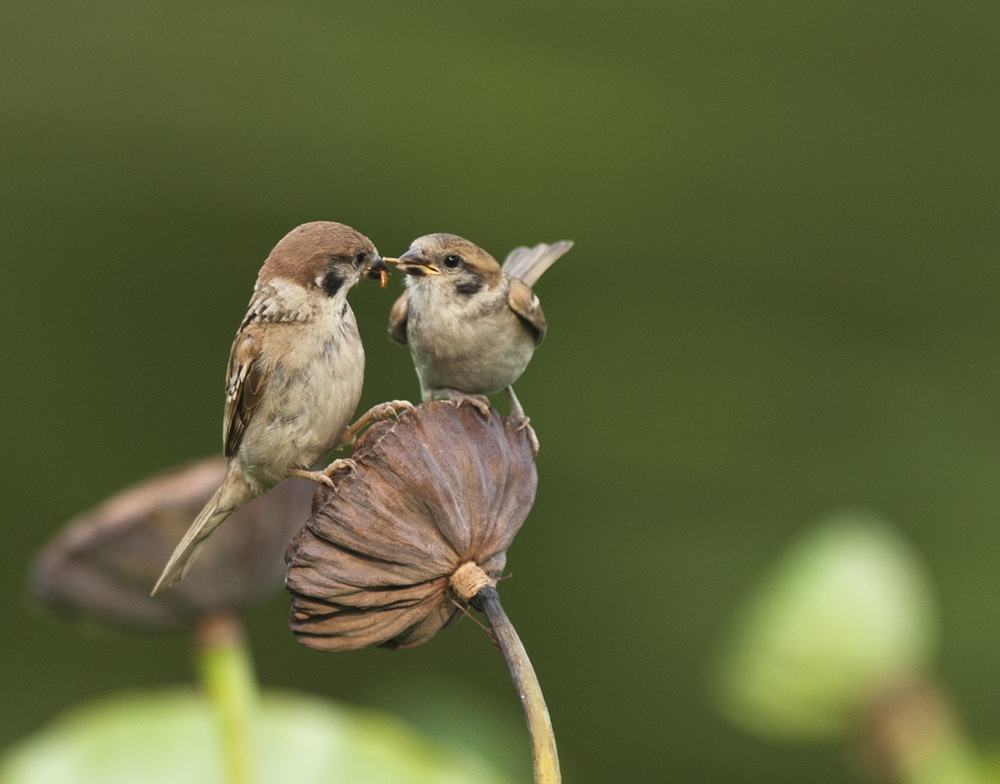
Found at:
<point>471,325</point>
<point>295,374</point>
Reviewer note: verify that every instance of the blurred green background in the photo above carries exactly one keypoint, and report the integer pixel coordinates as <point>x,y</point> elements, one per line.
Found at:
<point>783,299</point>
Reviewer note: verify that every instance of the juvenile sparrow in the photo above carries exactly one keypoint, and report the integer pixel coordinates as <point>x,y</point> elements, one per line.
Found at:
<point>295,374</point>
<point>471,325</point>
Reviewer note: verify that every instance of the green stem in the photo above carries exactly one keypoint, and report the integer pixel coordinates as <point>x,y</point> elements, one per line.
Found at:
<point>915,737</point>
<point>543,741</point>
<point>954,764</point>
<point>228,677</point>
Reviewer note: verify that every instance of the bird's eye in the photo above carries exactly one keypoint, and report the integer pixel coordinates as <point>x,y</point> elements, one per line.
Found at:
<point>359,258</point>
<point>451,261</point>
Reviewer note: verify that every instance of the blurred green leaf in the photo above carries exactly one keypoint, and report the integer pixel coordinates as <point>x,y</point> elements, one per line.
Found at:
<point>796,203</point>
<point>171,737</point>
<point>447,710</point>
<point>990,765</point>
<point>846,613</point>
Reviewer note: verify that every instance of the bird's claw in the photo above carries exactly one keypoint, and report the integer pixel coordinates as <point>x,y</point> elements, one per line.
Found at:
<point>375,414</point>
<point>529,431</point>
<point>393,408</point>
<point>480,402</point>
<point>325,477</point>
<point>520,420</point>
<point>336,465</point>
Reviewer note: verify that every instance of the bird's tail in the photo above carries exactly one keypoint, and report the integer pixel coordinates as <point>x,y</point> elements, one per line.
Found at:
<point>227,499</point>
<point>528,264</point>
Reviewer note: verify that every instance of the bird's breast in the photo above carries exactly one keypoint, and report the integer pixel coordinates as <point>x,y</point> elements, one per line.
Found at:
<point>313,391</point>
<point>479,349</point>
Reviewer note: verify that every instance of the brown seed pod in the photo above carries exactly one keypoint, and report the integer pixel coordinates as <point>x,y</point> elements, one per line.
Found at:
<point>103,563</point>
<point>440,488</point>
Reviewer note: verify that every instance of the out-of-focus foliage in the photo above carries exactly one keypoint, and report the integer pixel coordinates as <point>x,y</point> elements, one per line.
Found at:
<point>170,737</point>
<point>782,300</point>
<point>102,565</point>
<point>848,612</point>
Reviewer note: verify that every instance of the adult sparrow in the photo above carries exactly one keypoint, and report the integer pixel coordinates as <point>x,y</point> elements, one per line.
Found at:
<point>295,374</point>
<point>471,324</point>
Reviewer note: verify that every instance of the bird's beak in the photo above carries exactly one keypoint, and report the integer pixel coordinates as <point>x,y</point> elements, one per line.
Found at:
<point>413,262</point>
<point>378,271</point>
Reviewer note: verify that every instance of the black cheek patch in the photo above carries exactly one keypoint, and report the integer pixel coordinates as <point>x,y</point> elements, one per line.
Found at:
<point>470,286</point>
<point>332,281</point>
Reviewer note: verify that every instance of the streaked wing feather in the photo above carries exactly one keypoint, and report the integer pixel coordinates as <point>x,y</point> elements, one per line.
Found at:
<point>397,319</point>
<point>528,264</point>
<point>525,304</point>
<point>246,382</point>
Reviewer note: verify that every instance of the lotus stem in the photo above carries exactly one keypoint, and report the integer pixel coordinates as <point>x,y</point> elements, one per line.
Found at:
<point>228,677</point>
<point>543,741</point>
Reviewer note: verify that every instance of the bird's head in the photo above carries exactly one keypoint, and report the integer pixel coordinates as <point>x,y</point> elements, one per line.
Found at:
<point>451,262</point>
<point>325,257</point>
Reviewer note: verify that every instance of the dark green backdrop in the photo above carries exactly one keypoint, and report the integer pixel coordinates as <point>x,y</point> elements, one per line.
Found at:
<point>783,300</point>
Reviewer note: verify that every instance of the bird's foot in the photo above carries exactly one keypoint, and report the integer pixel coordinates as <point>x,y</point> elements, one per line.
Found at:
<point>325,477</point>
<point>372,415</point>
<point>520,421</point>
<point>480,402</point>
<point>532,438</point>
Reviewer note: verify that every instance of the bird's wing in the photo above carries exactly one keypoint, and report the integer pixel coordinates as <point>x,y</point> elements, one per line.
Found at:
<point>525,304</point>
<point>528,264</point>
<point>246,380</point>
<point>397,319</point>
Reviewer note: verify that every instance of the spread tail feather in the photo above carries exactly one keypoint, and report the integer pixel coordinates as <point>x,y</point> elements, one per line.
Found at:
<point>528,264</point>
<point>230,496</point>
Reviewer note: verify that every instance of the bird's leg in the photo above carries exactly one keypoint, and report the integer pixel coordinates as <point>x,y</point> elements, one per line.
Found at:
<point>325,477</point>
<point>518,417</point>
<point>480,402</point>
<point>374,414</point>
